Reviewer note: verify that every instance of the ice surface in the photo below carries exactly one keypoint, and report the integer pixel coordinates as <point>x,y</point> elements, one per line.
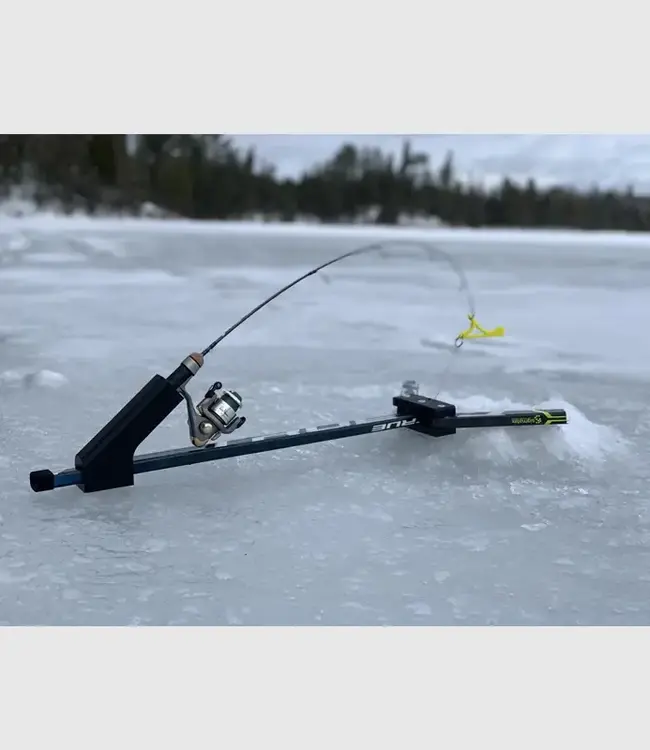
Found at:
<point>501,527</point>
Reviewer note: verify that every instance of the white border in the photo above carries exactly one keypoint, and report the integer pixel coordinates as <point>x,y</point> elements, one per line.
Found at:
<point>520,688</point>
<point>352,67</point>
<point>285,67</point>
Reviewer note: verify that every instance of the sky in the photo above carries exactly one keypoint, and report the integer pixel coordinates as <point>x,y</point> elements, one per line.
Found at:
<point>583,160</point>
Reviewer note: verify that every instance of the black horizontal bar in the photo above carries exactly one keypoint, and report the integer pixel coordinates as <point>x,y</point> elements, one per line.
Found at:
<point>264,443</point>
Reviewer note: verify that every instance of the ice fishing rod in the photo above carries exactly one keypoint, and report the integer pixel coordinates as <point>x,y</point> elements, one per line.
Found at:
<point>108,460</point>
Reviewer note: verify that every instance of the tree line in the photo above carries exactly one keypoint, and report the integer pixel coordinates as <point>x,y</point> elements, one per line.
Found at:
<point>208,177</point>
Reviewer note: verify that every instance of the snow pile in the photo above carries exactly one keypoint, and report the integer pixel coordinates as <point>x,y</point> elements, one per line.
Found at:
<point>581,440</point>
<point>33,379</point>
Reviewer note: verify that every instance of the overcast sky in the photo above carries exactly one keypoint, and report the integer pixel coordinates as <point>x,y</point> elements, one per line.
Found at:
<point>579,159</point>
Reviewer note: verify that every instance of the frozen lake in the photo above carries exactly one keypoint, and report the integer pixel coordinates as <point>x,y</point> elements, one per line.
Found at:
<point>495,527</point>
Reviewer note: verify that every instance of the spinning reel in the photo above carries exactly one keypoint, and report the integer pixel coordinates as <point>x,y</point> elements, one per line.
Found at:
<point>216,414</point>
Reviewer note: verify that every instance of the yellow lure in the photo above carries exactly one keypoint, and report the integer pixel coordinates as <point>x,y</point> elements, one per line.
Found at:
<point>476,331</point>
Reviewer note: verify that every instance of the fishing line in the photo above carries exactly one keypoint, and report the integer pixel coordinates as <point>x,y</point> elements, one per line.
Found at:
<point>431,250</point>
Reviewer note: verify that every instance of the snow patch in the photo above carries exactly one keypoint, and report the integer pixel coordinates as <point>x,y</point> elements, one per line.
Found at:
<point>102,246</point>
<point>421,609</point>
<point>16,243</point>
<point>534,526</point>
<point>37,379</point>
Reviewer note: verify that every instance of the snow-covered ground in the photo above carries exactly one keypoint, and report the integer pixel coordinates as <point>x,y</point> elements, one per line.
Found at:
<point>506,527</point>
